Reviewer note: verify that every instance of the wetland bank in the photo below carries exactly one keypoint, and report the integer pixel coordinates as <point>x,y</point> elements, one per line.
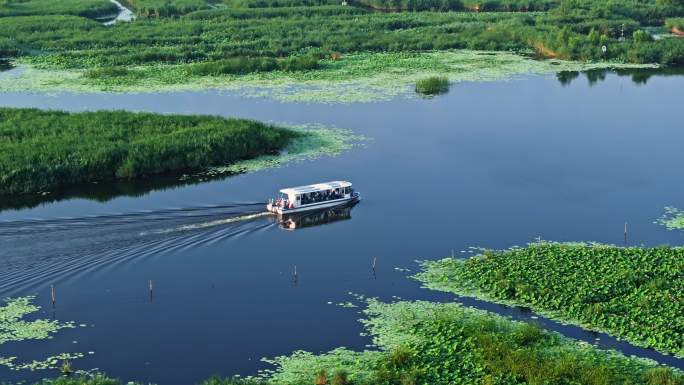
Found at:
<point>233,279</point>
<point>188,273</point>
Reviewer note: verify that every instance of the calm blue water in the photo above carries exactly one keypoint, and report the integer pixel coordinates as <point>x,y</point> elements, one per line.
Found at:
<point>489,164</point>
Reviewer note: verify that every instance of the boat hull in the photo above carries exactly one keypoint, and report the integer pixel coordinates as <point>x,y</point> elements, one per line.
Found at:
<point>312,207</point>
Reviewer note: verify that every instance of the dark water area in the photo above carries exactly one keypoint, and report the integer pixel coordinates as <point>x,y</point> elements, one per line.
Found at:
<point>5,65</point>
<point>489,165</point>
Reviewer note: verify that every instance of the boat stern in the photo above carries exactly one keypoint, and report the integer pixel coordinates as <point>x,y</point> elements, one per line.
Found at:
<point>273,208</point>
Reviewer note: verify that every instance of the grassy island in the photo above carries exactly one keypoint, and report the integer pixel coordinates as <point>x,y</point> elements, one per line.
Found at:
<point>47,150</point>
<point>633,293</point>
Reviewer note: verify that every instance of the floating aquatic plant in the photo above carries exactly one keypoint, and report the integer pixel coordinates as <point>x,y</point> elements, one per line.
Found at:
<point>316,141</point>
<point>52,362</point>
<point>360,77</point>
<point>347,304</point>
<point>673,218</point>
<point>14,328</point>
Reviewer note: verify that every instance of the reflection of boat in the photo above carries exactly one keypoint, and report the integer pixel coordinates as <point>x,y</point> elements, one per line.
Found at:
<point>316,218</point>
<point>313,197</point>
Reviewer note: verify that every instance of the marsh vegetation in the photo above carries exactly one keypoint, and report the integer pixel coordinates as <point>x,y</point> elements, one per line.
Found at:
<point>673,219</point>
<point>241,37</point>
<point>47,150</point>
<point>632,292</point>
<point>84,8</point>
<point>445,343</point>
<point>165,8</point>
<point>433,85</point>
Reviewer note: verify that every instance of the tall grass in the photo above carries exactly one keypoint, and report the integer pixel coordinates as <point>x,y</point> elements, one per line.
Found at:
<point>165,8</point>
<point>193,33</point>
<point>245,65</point>
<point>85,8</point>
<point>433,85</point>
<point>47,150</point>
<point>413,5</point>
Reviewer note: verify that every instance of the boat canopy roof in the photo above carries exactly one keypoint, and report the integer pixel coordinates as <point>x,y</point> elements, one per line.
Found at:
<point>316,187</point>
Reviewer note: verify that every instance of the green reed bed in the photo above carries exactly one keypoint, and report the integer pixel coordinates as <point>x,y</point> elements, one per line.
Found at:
<point>46,150</point>
<point>458,5</point>
<point>165,8</point>
<point>245,65</point>
<point>433,85</point>
<point>510,5</point>
<point>277,3</point>
<point>574,30</point>
<point>634,293</point>
<point>413,5</point>
<point>85,8</point>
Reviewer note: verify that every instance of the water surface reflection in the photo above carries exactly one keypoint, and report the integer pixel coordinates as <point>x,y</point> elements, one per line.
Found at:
<point>638,76</point>
<point>316,218</point>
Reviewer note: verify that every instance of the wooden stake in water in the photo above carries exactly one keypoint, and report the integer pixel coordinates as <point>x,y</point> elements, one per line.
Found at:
<point>625,233</point>
<point>151,290</point>
<point>295,274</point>
<point>452,253</point>
<point>54,297</point>
<point>375,259</point>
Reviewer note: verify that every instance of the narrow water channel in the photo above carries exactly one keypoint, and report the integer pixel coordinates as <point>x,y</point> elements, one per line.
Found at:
<point>488,165</point>
<point>124,14</point>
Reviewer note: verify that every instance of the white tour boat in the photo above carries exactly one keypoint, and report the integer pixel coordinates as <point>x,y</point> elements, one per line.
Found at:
<point>313,197</point>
